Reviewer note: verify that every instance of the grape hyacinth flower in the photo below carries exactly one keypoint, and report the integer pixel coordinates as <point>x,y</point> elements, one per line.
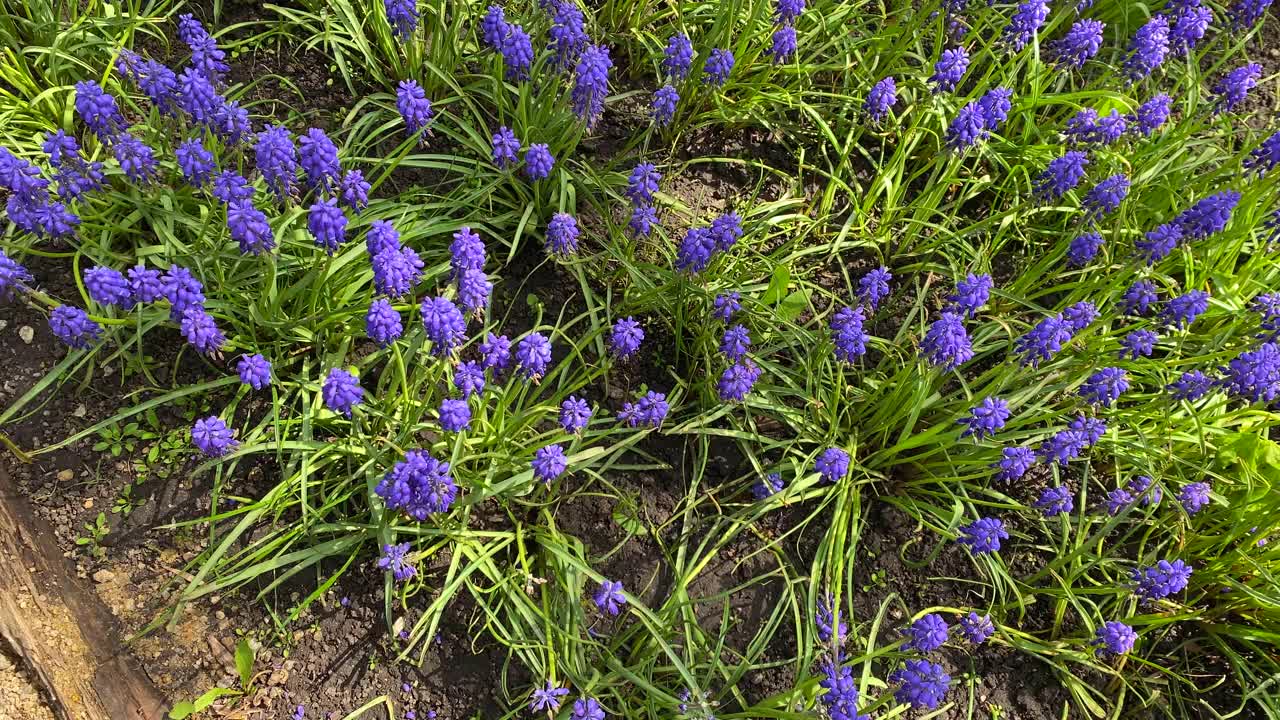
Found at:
<point>562,235</point>
<point>1234,86</point>
<point>874,286</point>
<point>466,252</point>
<point>1148,48</point>
<point>642,183</point>
<point>254,371</point>
<point>1245,14</point>
<point>468,377</point>
<point>881,99</point>
<point>396,270</point>
<point>735,343</point>
<point>643,219</point>
<point>1208,216</point>
<point>926,634</point>
<point>677,57</point>
<point>455,415</point>
<point>393,558</point>
<point>249,228</point>
<point>664,105</point>
<point>136,158</point>
<point>1105,197</point>
<point>1161,580</point>
<point>625,338</point>
<point>353,191</point>
<point>505,147</point>
<point>538,161</point>
<point>983,535</point>
<point>568,38</point>
<point>946,343</point>
<point>1151,114</point>
<point>1055,501</point>
<point>1156,245</point>
<point>1013,463</point>
<point>414,107</point>
<point>737,380</point>
<point>1090,429</point>
<point>971,295</point>
<point>319,159</point>
<point>949,69</point>
<point>274,155</point>
<point>591,84</point>
<point>841,696</point>
<point>1194,497</point>
<point>327,224</point>
<point>575,413</point>
<point>495,353</point>
<point>1139,298</point>
<point>474,290</point>
<point>1043,341</point>
<point>848,335</point>
<point>609,597</point>
<point>696,250</point>
<point>1083,248</point>
<point>98,111</point>
<point>985,418</point>
<point>547,699</point>
<point>419,485</point>
<point>966,129</point>
<point>1189,24</point>
<point>1255,374</point>
<point>832,465</point>
<point>977,628</point>
<point>108,287</point>
<point>587,708</point>
<point>533,354</point>
<point>921,684</point>
<point>15,278</point>
<point>1026,20</point>
<point>827,618</point>
<point>718,67</point>
<point>726,230</point>
<point>212,437</point>
<point>1105,386</point>
<point>650,410</point>
<point>1082,42</point>
<point>768,486</point>
<point>73,326</point>
<point>402,16</point>
<point>1114,638</point>
<point>182,290</point>
<point>229,186</point>
<point>1183,310</point>
<point>1062,447</point>
<point>201,331</point>
<point>784,44</point>
<point>995,106</point>
<point>195,162</point>
<point>1264,158</point>
<point>493,26</point>
<point>1140,487</point>
<point>341,391</point>
<point>1117,500</point>
<point>444,324</point>
<point>1191,386</point>
<point>517,53</point>
<point>1061,175</point>
<point>549,463</point>
<point>724,307</point>
<point>1139,343</point>
<point>381,237</point>
<point>788,11</point>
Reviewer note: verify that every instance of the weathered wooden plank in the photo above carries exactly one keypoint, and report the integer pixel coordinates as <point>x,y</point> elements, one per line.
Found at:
<point>59,629</point>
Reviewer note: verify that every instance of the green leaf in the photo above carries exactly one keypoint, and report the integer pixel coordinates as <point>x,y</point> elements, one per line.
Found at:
<point>777,285</point>
<point>211,695</point>
<point>626,515</point>
<point>181,710</point>
<point>244,662</point>
<point>792,305</point>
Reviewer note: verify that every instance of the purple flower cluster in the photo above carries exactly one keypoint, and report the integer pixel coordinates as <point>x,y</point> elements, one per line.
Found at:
<point>212,437</point>
<point>946,343</point>
<point>562,234</point>
<point>976,121</point>
<point>921,684</point>
<point>1105,197</point>
<point>1254,375</point>
<point>1082,42</point>
<point>549,463</point>
<point>883,96</point>
<point>1234,86</point>
<point>985,418</point>
<point>926,634</point>
<point>949,69</point>
<point>977,628</point>
<point>701,244</point>
<point>983,535</point>
<point>971,295</point>
<point>1105,386</point>
<point>1148,48</point>
<point>1061,175</point>
<point>832,465</point>
<point>1161,580</point>
<point>1026,20</point>
<point>846,330</point>
<point>677,57</point>
<point>625,338</point>
<point>393,559</point>
<point>718,67</point>
<point>609,597</point>
<point>413,105</point>
<point>591,84</point>
<point>1114,638</point>
<point>419,486</point>
<point>650,410</point>
<point>444,324</point>
<point>1013,463</point>
<point>341,391</point>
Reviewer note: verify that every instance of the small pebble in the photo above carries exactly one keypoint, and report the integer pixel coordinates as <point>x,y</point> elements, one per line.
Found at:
<point>27,333</point>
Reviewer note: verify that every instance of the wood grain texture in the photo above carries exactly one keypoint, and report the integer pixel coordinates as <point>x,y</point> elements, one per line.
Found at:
<point>59,629</point>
